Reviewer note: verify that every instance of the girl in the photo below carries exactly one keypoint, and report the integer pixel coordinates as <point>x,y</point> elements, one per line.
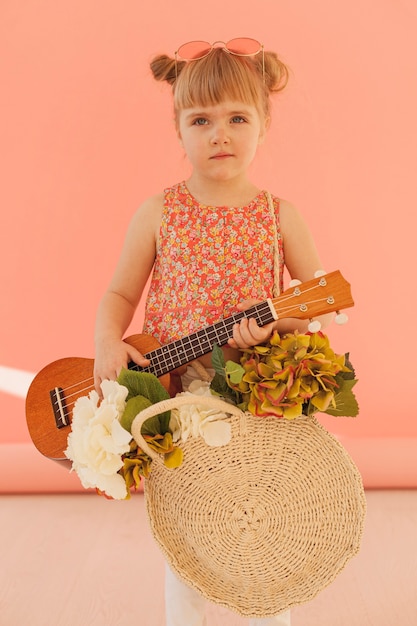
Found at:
<point>209,240</point>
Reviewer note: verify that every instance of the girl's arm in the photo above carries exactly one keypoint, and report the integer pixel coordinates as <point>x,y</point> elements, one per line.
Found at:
<point>122,297</point>
<point>302,261</point>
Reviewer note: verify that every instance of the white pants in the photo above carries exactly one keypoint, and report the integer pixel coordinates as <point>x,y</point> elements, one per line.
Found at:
<point>183,605</point>
<point>186,607</point>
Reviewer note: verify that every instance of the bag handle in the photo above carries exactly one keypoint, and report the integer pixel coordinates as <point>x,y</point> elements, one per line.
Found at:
<point>278,286</point>
<point>211,402</point>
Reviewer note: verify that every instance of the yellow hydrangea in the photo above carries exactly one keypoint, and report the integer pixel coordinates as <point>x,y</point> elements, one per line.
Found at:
<point>291,375</point>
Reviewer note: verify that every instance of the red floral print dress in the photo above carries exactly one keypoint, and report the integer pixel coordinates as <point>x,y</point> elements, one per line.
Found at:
<point>208,260</point>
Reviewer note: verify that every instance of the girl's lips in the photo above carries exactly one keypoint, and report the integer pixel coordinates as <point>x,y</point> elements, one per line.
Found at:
<point>221,155</point>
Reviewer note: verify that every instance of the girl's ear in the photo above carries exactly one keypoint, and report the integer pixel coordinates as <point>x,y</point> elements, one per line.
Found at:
<point>177,129</point>
<point>264,129</point>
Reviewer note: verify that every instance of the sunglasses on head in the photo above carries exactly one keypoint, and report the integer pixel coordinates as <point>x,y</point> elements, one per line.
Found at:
<point>241,46</point>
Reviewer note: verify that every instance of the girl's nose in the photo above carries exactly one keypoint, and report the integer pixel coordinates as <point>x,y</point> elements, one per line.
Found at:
<point>220,135</point>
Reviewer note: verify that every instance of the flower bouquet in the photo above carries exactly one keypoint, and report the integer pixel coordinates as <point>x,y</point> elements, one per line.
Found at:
<point>287,377</point>
<point>102,450</point>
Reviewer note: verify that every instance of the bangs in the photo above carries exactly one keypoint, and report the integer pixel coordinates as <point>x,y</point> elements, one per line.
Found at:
<point>218,77</point>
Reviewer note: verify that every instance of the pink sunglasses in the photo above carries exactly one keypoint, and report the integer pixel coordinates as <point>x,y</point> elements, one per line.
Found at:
<point>241,46</point>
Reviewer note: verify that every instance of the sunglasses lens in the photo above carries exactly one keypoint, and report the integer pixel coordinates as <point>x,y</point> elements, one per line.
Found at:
<point>243,45</point>
<point>194,50</point>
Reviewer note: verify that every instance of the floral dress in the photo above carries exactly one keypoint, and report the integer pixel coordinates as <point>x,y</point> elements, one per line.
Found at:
<point>208,260</point>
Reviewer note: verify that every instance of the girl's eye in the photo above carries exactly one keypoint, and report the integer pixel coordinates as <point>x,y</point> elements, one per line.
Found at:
<point>200,121</point>
<point>238,119</point>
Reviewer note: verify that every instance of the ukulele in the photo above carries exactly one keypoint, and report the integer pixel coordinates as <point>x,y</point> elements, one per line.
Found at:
<point>55,389</point>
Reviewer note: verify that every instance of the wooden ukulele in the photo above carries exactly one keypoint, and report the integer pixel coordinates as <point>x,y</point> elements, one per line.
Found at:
<point>55,389</point>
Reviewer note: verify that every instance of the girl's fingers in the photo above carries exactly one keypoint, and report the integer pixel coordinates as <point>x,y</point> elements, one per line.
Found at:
<point>137,357</point>
<point>247,333</point>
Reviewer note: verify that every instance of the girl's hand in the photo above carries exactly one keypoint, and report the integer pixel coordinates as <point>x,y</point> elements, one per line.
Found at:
<point>247,333</point>
<point>111,357</point>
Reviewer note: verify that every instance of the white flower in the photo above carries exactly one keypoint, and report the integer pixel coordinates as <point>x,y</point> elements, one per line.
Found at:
<point>97,440</point>
<point>199,421</point>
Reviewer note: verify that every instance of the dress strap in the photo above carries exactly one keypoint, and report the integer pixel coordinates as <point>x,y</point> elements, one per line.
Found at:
<point>278,270</point>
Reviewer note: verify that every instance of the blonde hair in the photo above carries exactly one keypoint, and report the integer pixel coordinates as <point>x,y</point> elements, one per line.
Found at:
<point>222,76</point>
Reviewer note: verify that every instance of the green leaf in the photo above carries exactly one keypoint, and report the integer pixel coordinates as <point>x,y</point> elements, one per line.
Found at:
<point>234,372</point>
<point>143,384</point>
<point>219,384</point>
<point>133,407</point>
<point>345,399</point>
<point>155,425</point>
<point>217,360</point>
<point>148,386</point>
<point>220,387</point>
<point>348,375</point>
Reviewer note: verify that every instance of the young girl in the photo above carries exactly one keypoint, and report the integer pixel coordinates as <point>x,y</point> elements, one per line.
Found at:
<point>209,240</point>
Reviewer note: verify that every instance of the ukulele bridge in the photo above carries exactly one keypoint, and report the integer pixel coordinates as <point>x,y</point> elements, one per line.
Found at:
<point>58,407</point>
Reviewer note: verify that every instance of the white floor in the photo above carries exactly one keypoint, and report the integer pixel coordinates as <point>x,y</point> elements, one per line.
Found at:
<point>81,560</point>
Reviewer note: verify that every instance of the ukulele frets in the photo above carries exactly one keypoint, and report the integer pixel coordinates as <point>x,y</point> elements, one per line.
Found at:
<point>182,351</point>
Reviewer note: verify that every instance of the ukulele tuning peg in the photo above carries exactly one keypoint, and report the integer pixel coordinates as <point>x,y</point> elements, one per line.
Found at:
<point>319,273</point>
<point>294,282</point>
<point>341,318</point>
<point>314,326</point>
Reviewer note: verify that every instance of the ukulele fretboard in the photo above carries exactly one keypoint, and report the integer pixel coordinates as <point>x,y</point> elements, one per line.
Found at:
<point>182,351</point>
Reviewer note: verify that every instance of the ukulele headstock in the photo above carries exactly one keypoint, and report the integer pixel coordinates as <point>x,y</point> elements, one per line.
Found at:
<point>325,293</point>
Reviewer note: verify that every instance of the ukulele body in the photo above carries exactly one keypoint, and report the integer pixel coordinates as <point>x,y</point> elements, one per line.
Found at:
<point>74,375</point>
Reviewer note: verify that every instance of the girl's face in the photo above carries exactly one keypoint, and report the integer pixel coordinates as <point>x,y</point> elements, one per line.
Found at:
<point>221,140</point>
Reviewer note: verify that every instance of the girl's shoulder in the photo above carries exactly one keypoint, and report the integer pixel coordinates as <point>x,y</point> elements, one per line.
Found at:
<point>284,208</point>
<point>152,204</point>
<point>291,221</point>
<point>283,204</point>
<point>147,218</point>
<point>288,212</point>
<point>150,209</point>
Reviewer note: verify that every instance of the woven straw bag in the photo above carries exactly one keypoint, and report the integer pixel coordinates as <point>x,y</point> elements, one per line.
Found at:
<point>263,523</point>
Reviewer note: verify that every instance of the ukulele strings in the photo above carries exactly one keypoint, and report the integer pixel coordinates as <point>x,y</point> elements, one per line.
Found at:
<point>289,296</point>
<point>288,309</point>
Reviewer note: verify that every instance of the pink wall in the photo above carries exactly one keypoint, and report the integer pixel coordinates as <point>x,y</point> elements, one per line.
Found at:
<point>86,135</point>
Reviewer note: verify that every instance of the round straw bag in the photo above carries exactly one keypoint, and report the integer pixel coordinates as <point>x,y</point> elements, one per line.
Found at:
<point>263,523</point>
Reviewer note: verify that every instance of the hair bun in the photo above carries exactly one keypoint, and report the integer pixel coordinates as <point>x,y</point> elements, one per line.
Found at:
<point>163,68</point>
<point>276,72</point>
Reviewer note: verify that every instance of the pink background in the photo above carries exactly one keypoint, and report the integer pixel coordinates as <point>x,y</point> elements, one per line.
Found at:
<point>86,135</point>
